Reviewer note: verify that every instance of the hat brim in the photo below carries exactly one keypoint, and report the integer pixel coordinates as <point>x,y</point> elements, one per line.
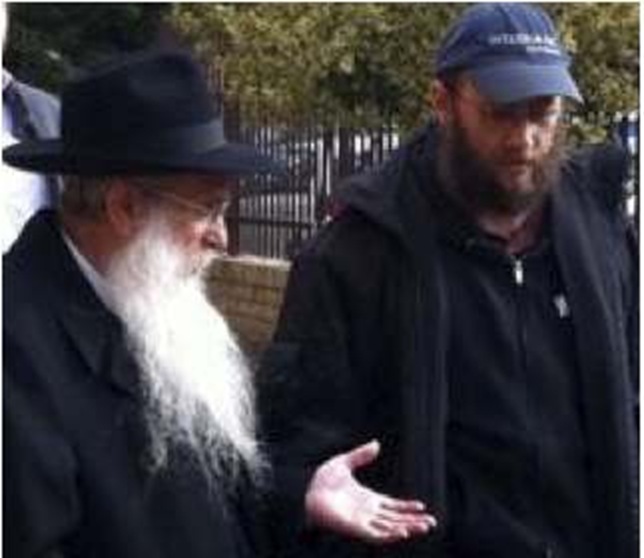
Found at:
<point>51,157</point>
<point>513,82</point>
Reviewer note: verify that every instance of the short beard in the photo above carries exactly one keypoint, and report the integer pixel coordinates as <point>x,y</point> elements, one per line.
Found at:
<point>471,181</point>
<point>196,383</point>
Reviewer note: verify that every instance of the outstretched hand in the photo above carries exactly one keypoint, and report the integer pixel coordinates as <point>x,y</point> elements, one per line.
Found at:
<point>335,500</point>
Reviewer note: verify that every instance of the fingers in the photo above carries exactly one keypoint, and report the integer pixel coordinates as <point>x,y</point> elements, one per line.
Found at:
<point>406,509</point>
<point>394,504</point>
<point>362,455</point>
<point>383,530</point>
<point>397,520</point>
<point>423,521</point>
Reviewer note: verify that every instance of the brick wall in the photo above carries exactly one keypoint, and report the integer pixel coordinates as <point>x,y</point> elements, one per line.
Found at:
<point>249,291</point>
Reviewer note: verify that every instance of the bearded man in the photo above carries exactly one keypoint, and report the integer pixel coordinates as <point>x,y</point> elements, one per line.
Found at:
<point>474,311</point>
<point>129,427</point>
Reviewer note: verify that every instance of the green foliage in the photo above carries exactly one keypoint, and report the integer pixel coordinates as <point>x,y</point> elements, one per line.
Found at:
<point>360,61</point>
<point>47,41</point>
<point>354,61</point>
<point>604,42</point>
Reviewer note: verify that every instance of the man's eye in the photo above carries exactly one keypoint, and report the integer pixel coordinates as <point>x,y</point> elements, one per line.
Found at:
<point>546,116</point>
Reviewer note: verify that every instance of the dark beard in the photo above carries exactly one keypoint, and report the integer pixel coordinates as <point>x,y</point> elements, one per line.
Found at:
<point>472,183</point>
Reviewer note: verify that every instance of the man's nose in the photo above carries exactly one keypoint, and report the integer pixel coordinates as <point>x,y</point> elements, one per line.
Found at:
<point>216,235</point>
<point>522,137</point>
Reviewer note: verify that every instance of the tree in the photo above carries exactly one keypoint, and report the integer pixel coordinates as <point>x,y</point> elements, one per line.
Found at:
<point>358,61</point>
<point>353,60</point>
<point>47,42</point>
<point>604,42</point>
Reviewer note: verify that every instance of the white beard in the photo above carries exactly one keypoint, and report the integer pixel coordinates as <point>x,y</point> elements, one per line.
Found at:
<point>197,385</point>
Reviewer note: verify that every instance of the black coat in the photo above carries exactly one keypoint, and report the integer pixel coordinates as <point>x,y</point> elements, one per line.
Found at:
<point>360,349</point>
<point>76,478</point>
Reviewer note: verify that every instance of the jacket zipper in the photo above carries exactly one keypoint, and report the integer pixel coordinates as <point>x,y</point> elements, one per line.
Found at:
<point>518,272</point>
<point>517,264</point>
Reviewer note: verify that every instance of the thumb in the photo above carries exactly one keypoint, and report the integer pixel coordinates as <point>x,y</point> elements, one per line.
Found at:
<point>362,455</point>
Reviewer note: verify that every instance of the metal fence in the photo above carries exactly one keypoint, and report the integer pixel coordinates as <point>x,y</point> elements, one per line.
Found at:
<point>627,131</point>
<point>273,216</point>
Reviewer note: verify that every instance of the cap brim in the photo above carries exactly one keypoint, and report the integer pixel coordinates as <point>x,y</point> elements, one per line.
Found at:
<point>50,157</point>
<point>513,82</point>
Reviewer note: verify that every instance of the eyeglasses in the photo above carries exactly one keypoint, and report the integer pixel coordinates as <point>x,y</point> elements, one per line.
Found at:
<point>207,213</point>
<point>544,111</point>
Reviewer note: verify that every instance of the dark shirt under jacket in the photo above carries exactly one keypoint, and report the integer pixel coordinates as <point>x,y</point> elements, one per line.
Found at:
<point>517,460</point>
<point>77,479</point>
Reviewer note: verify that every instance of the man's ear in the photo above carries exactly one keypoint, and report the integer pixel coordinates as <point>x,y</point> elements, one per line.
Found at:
<point>441,100</point>
<point>123,207</point>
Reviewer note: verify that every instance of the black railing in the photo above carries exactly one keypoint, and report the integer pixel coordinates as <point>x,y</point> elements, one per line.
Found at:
<point>626,130</point>
<point>273,217</point>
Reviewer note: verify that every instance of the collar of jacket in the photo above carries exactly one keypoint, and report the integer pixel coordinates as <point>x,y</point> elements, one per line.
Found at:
<point>402,195</point>
<point>392,195</point>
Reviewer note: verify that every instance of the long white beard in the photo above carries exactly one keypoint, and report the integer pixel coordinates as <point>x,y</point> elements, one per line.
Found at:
<point>197,385</point>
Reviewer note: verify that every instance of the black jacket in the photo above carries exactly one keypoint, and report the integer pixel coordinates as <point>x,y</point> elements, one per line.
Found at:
<point>360,348</point>
<point>75,476</point>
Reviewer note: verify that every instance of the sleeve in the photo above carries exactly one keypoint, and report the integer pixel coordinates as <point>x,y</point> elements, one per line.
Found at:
<point>608,167</point>
<point>40,500</point>
<point>310,401</point>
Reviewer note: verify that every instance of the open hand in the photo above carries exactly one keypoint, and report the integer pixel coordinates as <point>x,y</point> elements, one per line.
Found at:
<point>335,500</point>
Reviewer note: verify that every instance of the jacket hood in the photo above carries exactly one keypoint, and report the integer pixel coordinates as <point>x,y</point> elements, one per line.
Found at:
<point>391,195</point>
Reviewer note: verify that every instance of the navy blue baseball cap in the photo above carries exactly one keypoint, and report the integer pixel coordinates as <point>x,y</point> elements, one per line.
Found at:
<point>511,52</point>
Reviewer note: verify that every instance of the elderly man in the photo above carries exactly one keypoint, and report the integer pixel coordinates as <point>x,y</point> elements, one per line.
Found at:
<point>474,309</point>
<point>128,408</point>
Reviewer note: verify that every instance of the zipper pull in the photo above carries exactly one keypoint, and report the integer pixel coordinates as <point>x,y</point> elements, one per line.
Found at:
<point>518,271</point>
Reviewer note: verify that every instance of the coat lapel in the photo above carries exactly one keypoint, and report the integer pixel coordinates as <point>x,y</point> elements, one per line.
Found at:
<point>99,339</point>
<point>93,330</point>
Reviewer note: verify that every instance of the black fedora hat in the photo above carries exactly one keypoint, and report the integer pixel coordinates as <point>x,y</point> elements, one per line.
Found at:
<point>149,113</point>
